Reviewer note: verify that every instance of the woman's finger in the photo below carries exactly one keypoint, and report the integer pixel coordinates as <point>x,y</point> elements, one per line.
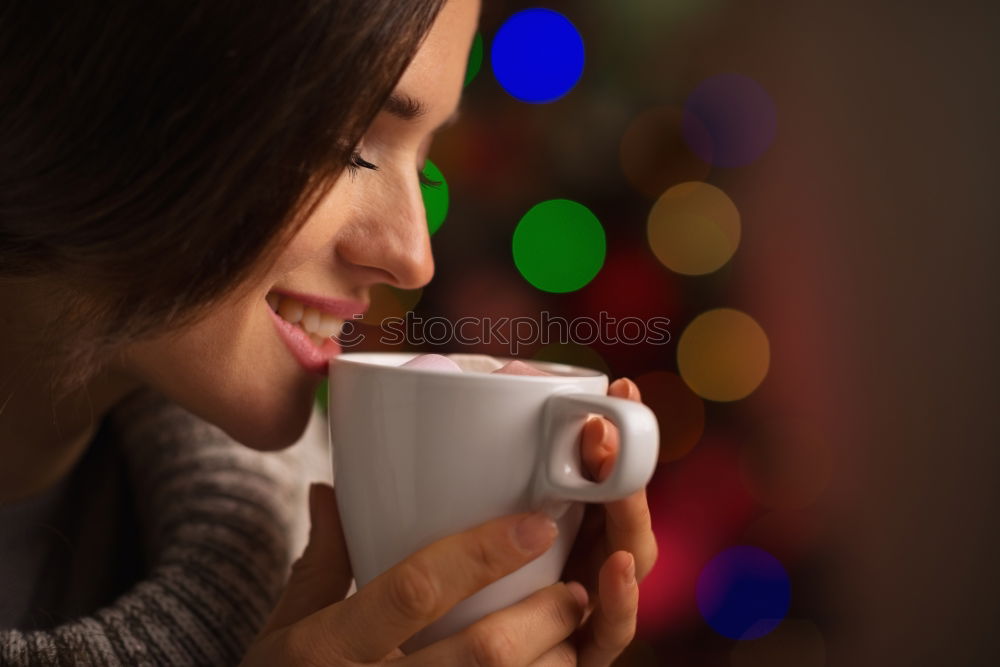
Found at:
<point>422,587</point>
<point>593,450</point>
<point>599,437</point>
<point>628,526</point>
<point>600,449</point>
<point>560,655</point>
<point>519,634</point>
<point>322,575</point>
<point>625,388</point>
<point>607,451</point>
<point>612,625</point>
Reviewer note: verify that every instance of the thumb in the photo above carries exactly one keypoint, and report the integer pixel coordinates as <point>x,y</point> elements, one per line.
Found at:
<point>322,575</point>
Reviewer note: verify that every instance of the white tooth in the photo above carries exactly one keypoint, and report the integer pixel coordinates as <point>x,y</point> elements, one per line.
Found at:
<point>272,301</point>
<point>328,325</point>
<point>310,320</point>
<point>290,310</point>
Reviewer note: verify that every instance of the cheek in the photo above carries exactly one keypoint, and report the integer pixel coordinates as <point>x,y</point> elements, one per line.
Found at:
<point>313,243</point>
<point>232,371</point>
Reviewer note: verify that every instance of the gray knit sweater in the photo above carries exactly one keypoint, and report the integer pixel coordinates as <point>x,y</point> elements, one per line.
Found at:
<point>168,544</point>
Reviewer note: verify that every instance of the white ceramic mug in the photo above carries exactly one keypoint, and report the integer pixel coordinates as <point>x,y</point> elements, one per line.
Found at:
<point>420,454</point>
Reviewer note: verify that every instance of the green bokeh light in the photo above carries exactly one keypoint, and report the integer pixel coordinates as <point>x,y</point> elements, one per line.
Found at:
<point>475,59</point>
<point>559,245</point>
<point>435,197</point>
<point>321,394</point>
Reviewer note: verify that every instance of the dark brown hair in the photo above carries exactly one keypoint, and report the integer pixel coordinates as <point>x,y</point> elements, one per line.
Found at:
<point>154,155</point>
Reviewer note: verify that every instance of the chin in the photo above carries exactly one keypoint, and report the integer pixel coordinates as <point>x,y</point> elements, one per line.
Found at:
<point>264,404</point>
<point>271,423</point>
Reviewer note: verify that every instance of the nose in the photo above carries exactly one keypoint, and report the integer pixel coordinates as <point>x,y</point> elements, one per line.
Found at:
<point>387,241</point>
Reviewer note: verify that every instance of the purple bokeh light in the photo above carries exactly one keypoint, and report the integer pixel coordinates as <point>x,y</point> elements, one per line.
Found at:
<point>729,120</point>
<point>744,592</point>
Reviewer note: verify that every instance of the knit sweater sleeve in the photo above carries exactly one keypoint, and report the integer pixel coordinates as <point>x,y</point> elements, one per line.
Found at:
<point>220,524</point>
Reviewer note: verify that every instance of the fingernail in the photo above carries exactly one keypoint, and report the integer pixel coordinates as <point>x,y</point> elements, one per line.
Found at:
<point>535,532</point>
<point>630,571</point>
<point>579,592</point>
<point>634,389</point>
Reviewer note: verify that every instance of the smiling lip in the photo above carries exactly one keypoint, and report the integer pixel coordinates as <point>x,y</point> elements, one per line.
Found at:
<point>310,357</point>
<point>344,309</point>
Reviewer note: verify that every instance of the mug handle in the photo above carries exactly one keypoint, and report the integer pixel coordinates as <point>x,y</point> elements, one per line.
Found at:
<point>559,478</point>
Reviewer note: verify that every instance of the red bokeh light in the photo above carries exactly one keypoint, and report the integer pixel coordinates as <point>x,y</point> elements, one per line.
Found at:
<point>699,506</point>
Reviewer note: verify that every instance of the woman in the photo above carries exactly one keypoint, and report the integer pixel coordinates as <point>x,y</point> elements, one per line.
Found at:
<point>165,169</point>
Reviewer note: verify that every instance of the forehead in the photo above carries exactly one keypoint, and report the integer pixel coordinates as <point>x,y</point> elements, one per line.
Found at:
<point>437,71</point>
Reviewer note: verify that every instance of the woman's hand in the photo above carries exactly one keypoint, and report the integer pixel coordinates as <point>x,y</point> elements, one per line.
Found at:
<point>614,550</point>
<point>314,625</point>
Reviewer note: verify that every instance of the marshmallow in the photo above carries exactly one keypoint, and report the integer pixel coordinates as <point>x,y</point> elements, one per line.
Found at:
<point>434,362</point>
<point>515,367</point>
<point>477,363</point>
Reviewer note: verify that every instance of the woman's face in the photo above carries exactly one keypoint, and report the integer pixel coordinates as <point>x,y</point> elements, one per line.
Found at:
<point>233,369</point>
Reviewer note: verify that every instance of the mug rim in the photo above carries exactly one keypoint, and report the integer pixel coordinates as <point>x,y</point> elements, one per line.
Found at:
<point>568,372</point>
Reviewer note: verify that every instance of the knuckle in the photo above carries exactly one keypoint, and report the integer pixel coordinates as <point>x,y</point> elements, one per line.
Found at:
<point>299,648</point>
<point>622,620</point>
<point>414,590</point>
<point>564,613</point>
<point>564,655</point>
<point>616,638</point>
<point>487,559</point>
<point>646,557</point>
<point>642,518</point>
<point>635,521</point>
<point>618,623</point>
<point>492,648</point>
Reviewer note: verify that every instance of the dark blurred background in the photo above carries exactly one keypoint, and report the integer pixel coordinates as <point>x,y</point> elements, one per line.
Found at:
<point>807,191</point>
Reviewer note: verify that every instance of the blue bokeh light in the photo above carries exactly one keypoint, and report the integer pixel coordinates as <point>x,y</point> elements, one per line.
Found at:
<point>729,120</point>
<point>744,592</point>
<point>537,55</point>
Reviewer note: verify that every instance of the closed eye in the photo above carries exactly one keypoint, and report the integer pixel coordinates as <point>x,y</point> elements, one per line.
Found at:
<point>357,162</point>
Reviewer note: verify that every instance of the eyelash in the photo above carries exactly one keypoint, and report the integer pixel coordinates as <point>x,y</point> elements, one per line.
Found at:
<point>357,161</point>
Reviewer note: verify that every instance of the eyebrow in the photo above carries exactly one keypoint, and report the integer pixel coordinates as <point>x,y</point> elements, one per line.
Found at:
<point>405,107</point>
